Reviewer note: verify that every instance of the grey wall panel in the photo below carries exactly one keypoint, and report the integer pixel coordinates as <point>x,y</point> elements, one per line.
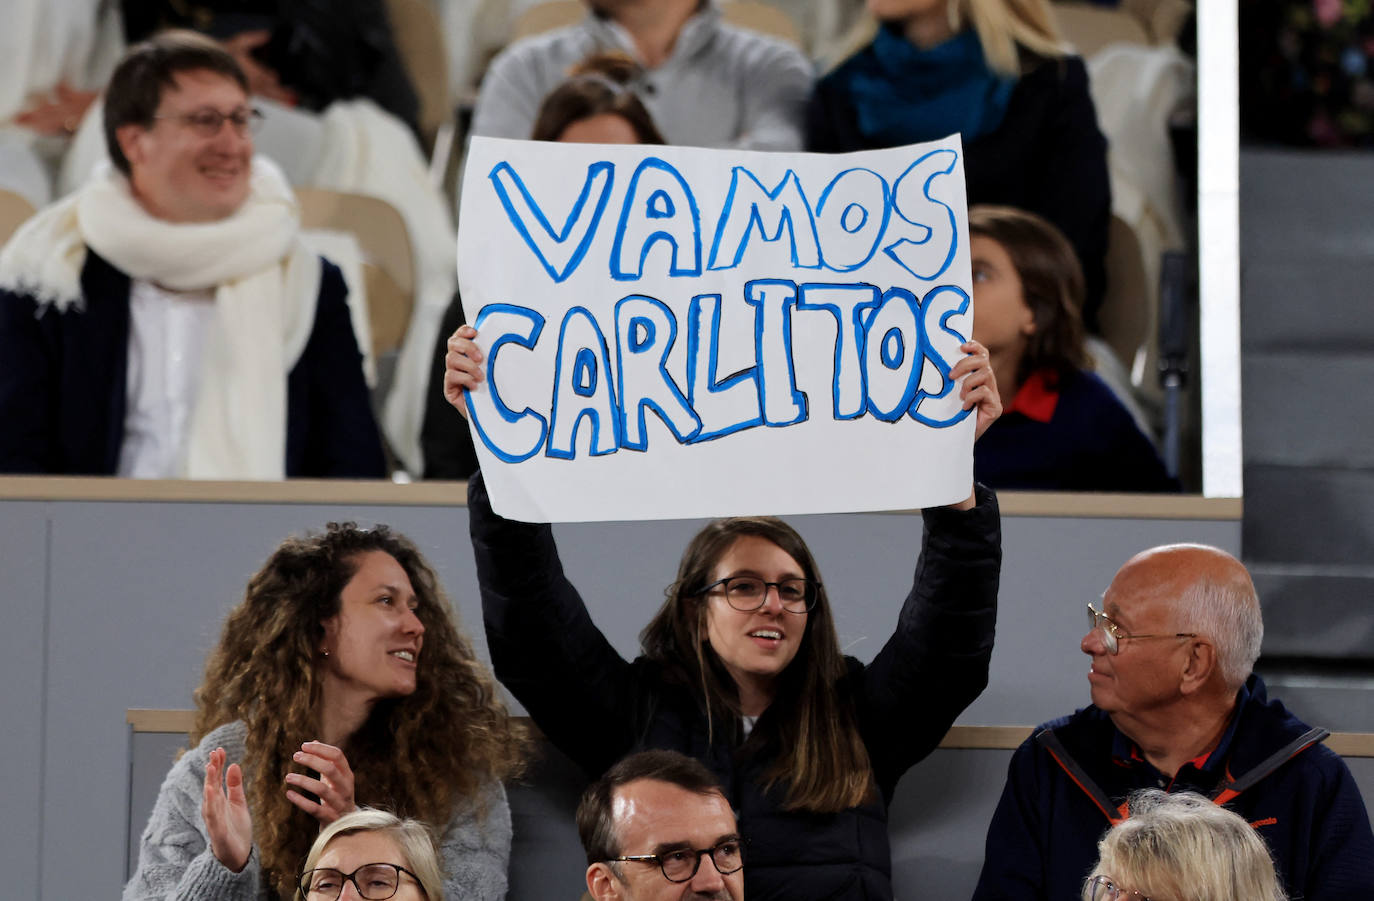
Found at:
<point>23,576</point>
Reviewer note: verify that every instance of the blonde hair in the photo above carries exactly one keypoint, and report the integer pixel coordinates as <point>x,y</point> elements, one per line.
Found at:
<point>1182,846</point>
<point>1003,27</point>
<point>411,836</point>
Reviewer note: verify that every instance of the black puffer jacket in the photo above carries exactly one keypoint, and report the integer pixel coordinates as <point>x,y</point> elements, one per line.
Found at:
<point>596,707</point>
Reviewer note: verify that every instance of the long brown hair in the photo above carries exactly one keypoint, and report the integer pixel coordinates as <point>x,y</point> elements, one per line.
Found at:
<point>419,755</point>
<point>1051,285</point>
<point>811,731</point>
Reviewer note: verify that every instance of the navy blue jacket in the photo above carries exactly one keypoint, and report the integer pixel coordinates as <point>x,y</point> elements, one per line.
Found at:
<point>1305,803</point>
<point>1090,443</point>
<point>596,707</point>
<point>64,385</point>
<point>1048,155</point>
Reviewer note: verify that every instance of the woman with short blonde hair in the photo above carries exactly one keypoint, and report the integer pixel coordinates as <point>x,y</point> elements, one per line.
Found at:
<point>1182,847</point>
<point>380,834</point>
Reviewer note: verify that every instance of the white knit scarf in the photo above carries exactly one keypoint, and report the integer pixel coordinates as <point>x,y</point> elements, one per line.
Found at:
<point>266,287</point>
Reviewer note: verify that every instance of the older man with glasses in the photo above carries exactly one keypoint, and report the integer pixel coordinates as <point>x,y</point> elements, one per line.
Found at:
<point>657,827</point>
<point>167,320</point>
<point>1175,706</point>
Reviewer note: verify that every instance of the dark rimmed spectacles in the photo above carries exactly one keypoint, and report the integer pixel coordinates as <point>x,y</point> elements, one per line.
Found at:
<point>682,865</point>
<point>207,122</point>
<point>374,882</point>
<point>748,593</point>
<point>1104,889</point>
<point>1113,635</point>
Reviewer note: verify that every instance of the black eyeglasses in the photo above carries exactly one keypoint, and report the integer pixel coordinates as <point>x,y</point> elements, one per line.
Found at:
<point>1103,889</point>
<point>207,122</point>
<point>682,865</point>
<point>748,593</point>
<point>374,881</point>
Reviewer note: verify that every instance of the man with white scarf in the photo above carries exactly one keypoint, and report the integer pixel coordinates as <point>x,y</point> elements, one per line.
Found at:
<point>166,320</point>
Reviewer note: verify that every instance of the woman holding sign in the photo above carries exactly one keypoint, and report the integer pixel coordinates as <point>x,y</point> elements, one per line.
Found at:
<point>741,668</point>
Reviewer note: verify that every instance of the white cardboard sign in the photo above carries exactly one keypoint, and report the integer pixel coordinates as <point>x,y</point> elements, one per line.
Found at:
<point>675,332</point>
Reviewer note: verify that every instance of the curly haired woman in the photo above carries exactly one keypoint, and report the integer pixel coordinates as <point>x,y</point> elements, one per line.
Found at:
<point>340,680</point>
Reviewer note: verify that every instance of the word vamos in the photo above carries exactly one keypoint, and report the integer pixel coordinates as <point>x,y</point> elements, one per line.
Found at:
<point>611,376</point>
<point>856,215</point>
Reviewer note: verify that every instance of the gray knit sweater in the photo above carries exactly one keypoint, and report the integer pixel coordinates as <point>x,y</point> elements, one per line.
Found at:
<point>175,862</point>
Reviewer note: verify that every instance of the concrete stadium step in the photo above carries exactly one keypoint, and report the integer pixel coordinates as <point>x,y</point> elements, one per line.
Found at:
<point>1307,515</point>
<point>1307,242</point>
<point>1317,304</point>
<point>1321,612</point>
<point>1338,703</point>
<point>1303,409</point>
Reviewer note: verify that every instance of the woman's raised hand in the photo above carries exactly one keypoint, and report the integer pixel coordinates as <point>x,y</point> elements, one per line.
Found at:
<point>980,385</point>
<point>334,787</point>
<point>462,366</point>
<point>978,391</point>
<point>225,812</point>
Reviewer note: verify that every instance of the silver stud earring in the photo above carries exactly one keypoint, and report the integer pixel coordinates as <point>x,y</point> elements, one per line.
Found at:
<point>326,652</point>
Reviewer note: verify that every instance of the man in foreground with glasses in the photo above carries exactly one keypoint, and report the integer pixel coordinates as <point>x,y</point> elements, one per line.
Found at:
<point>657,827</point>
<point>1175,706</point>
<point>166,320</point>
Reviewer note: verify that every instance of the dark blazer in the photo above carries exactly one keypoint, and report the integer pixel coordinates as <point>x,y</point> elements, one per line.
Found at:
<point>596,707</point>
<point>64,375</point>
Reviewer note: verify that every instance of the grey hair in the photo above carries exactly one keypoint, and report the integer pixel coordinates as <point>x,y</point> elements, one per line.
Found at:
<point>1227,611</point>
<point>412,836</point>
<point>1182,845</point>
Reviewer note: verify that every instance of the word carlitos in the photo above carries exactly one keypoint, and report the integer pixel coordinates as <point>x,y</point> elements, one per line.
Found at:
<point>884,340</point>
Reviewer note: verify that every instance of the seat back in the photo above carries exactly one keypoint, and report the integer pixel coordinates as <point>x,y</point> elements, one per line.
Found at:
<point>14,210</point>
<point>1090,28</point>
<point>547,16</point>
<point>1128,307</point>
<point>388,265</point>
<point>419,36</point>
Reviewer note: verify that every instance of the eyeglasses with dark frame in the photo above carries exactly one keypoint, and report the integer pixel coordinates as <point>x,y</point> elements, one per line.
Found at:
<point>374,882</point>
<point>1104,889</point>
<point>681,865</point>
<point>748,593</point>
<point>1112,634</point>
<point>207,122</point>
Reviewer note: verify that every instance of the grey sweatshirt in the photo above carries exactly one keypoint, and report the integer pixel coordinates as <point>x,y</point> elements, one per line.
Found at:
<point>721,86</point>
<point>175,862</point>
